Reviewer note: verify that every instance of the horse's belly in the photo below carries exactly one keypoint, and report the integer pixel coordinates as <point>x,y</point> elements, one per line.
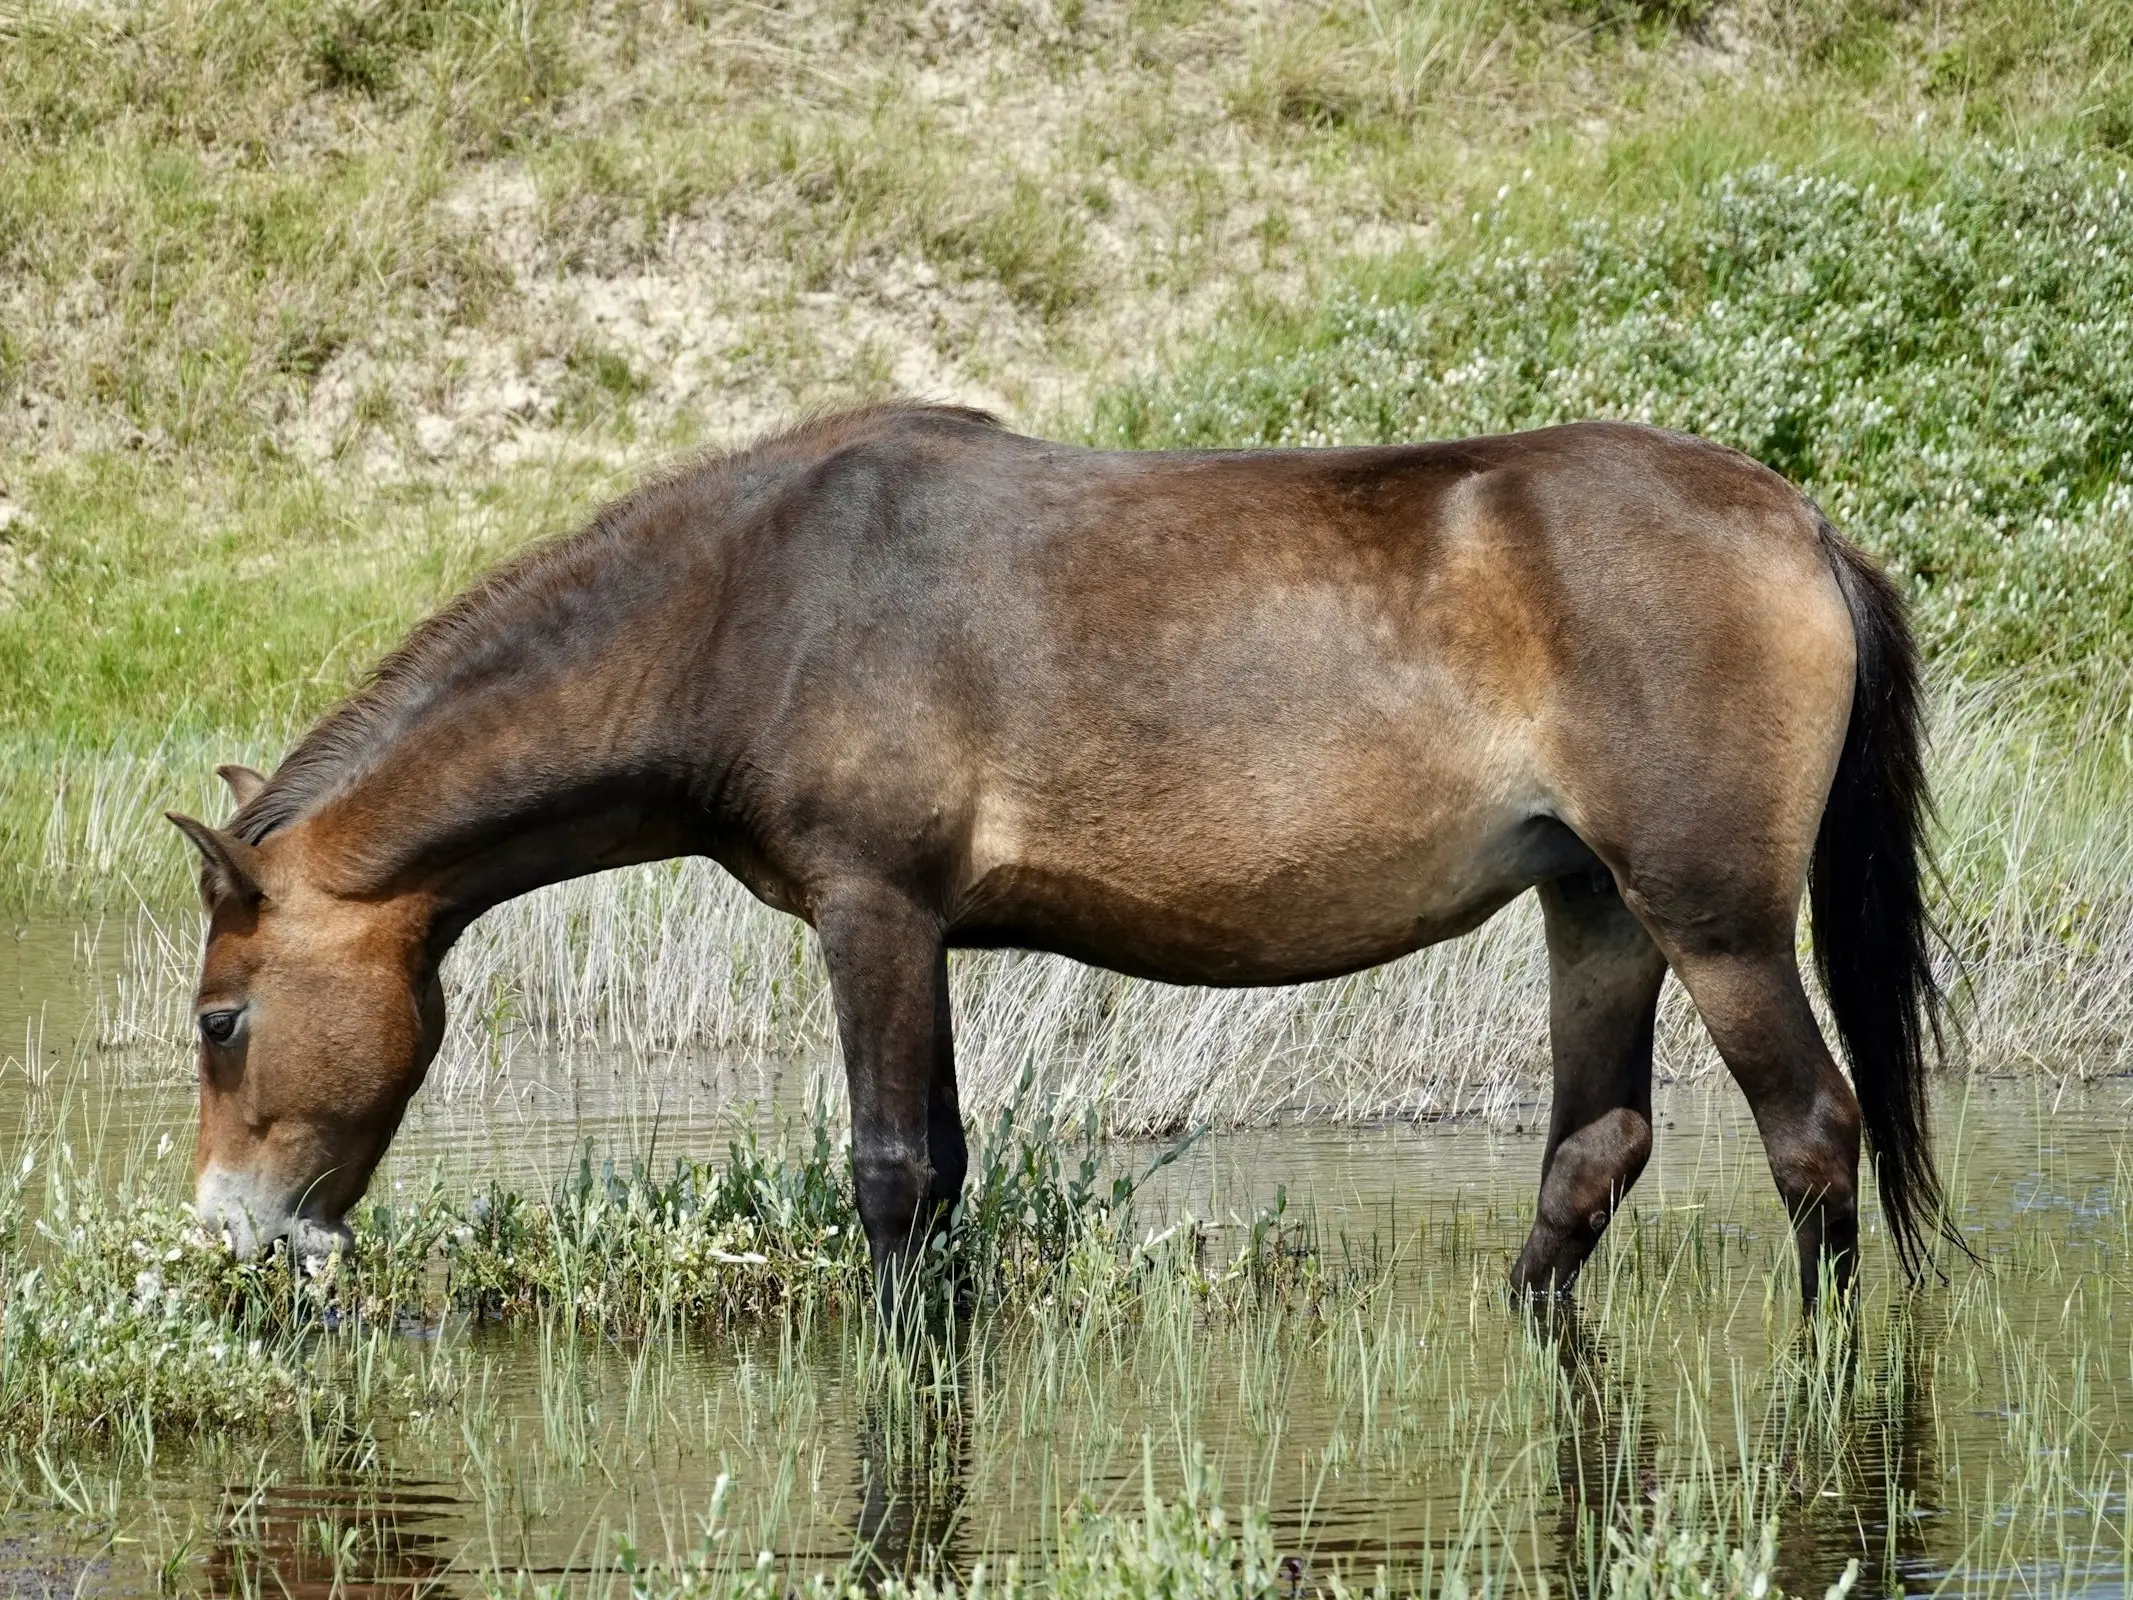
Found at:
<point>1212,900</point>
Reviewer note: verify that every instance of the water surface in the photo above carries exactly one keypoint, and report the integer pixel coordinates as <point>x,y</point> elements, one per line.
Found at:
<point>1951,1470</point>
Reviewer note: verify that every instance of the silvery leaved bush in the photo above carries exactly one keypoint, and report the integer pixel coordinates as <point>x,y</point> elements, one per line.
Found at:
<point>1948,370</point>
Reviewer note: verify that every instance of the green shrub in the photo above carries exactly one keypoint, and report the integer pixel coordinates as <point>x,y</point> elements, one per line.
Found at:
<point>1950,373</point>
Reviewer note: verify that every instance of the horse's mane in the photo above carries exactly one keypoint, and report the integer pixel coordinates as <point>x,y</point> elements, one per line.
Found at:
<point>335,748</point>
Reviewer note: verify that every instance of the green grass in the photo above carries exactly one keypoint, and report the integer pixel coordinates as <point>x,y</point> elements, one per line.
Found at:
<point>1946,364</point>
<point>120,1322</point>
<point>252,614</point>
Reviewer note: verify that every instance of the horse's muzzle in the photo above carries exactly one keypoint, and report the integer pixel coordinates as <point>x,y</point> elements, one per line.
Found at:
<point>250,1220</point>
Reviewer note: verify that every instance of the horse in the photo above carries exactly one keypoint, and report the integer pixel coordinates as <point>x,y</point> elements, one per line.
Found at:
<point>1207,717</point>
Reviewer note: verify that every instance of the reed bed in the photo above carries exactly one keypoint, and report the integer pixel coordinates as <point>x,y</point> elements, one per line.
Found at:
<point>2036,847</point>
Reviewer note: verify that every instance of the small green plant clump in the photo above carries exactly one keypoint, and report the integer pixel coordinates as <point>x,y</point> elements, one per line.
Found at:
<point>621,1248</point>
<point>119,1317</point>
<point>117,1310</point>
<point>1949,368</point>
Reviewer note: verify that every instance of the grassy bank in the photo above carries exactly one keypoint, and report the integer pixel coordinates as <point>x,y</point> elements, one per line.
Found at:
<point>311,310</point>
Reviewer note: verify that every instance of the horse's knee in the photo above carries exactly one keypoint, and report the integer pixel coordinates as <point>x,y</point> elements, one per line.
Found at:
<point>894,1191</point>
<point>1589,1172</point>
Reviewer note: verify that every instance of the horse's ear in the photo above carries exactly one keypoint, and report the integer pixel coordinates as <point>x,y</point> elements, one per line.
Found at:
<point>228,866</point>
<point>244,781</point>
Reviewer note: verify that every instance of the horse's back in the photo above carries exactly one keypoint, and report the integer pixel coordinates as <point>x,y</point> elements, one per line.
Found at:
<point>1245,716</point>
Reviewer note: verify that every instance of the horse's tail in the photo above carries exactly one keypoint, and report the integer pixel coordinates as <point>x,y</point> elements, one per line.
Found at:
<point>1872,932</point>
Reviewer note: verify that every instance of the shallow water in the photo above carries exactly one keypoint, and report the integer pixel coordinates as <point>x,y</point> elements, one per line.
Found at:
<point>567,1444</point>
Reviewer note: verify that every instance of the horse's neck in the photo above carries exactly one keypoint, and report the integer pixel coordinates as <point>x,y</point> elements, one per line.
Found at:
<point>480,802</point>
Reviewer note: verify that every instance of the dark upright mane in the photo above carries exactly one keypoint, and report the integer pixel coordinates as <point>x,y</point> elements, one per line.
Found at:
<point>399,685</point>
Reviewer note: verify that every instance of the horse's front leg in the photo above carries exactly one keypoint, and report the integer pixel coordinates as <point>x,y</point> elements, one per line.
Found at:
<point>889,976</point>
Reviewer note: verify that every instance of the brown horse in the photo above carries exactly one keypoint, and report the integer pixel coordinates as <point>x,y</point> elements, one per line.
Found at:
<point>1213,718</point>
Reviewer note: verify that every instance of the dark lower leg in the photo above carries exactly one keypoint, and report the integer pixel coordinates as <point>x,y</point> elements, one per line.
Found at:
<point>945,1141</point>
<point>889,977</point>
<point>1757,1011</point>
<point>1603,989</point>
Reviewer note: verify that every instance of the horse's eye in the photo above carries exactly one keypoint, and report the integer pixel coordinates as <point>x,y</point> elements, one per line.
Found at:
<point>219,1027</point>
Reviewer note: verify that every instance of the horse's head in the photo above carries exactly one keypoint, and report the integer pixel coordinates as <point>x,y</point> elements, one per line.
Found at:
<point>316,1016</point>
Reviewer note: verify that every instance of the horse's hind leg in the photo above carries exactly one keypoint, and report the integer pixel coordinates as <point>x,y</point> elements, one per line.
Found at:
<point>1755,1006</point>
<point>1604,974</point>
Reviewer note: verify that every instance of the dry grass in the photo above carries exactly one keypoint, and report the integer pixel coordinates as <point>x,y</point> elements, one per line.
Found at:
<point>2037,847</point>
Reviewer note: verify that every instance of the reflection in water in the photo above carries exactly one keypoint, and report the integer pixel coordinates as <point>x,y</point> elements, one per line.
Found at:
<point>1604,1465</point>
<point>1851,1472</point>
<point>1850,1464</point>
<point>1856,1474</point>
<point>1906,1450</point>
<point>913,1471</point>
<point>346,1541</point>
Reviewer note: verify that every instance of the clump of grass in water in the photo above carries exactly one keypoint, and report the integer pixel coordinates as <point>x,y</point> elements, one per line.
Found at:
<point>120,1318</point>
<point>710,1243</point>
<point>118,1305</point>
<point>619,1247</point>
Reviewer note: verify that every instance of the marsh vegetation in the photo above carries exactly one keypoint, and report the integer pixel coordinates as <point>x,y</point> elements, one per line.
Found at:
<point>1257,1365</point>
<point>309,311</point>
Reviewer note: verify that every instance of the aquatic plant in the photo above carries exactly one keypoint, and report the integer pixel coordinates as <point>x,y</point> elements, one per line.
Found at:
<point>120,1318</point>
<point>119,1306</point>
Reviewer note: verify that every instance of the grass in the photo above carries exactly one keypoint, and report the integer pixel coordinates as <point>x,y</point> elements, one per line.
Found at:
<point>124,1323</point>
<point>123,1317</point>
<point>310,310</point>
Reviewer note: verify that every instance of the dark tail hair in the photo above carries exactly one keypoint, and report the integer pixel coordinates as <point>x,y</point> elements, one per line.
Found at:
<point>1872,932</point>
